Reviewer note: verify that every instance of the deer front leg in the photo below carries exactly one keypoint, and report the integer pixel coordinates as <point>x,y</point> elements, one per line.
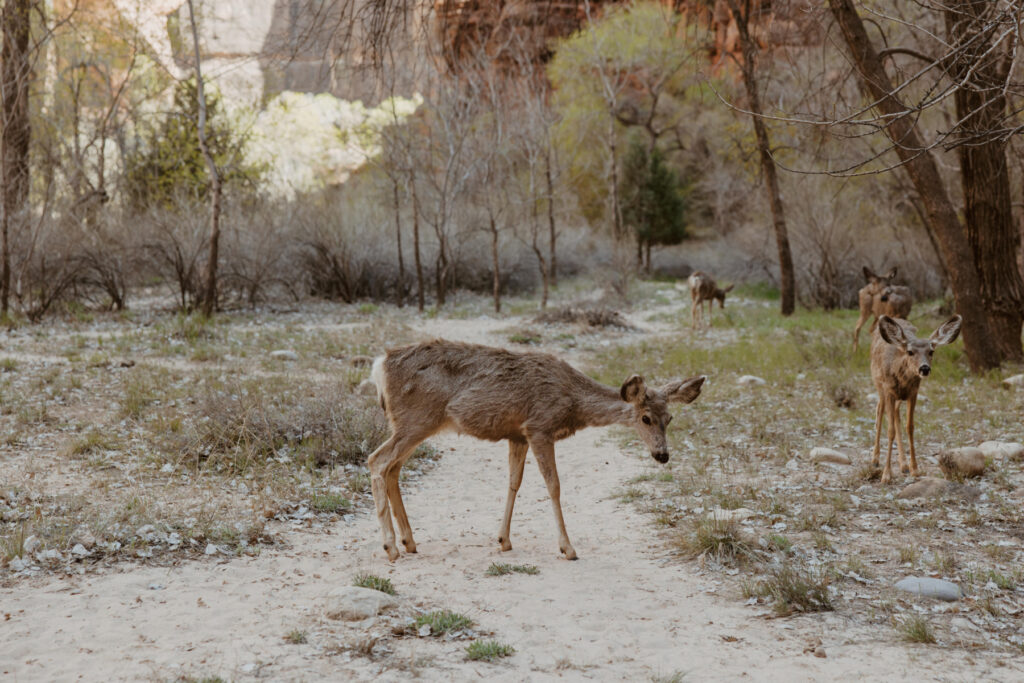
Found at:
<point>899,439</point>
<point>694,313</point>
<point>879,418</point>
<point>379,462</point>
<point>544,451</point>
<point>516,463</point>
<point>398,508</point>
<point>856,331</point>
<point>911,404</point>
<point>890,409</point>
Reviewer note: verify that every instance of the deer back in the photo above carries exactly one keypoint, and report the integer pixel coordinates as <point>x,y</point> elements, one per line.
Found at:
<point>702,286</point>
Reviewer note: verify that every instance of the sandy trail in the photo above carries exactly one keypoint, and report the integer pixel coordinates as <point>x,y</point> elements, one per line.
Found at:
<point>624,611</point>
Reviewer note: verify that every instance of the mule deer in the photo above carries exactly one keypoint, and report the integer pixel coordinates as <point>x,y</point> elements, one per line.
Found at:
<point>898,362</point>
<point>531,399</point>
<point>880,297</point>
<point>703,288</point>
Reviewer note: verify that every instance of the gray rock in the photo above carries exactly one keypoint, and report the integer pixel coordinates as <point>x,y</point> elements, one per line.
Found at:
<point>1015,381</point>
<point>820,454</point>
<point>32,544</point>
<point>18,564</point>
<point>962,462</point>
<point>80,551</point>
<point>211,549</point>
<point>750,381</point>
<point>1002,449</point>
<point>284,354</point>
<point>933,487</point>
<point>928,587</point>
<point>351,603</point>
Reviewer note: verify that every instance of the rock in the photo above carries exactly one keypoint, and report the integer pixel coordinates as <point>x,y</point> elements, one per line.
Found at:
<point>1014,382</point>
<point>930,588</point>
<point>820,454</point>
<point>423,631</point>
<point>792,464</point>
<point>737,515</point>
<point>933,487</point>
<point>366,388</point>
<point>31,545</point>
<point>1002,449</point>
<point>211,549</point>
<point>18,564</point>
<point>351,603</point>
<point>87,540</point>
<point>168,468</point>
<point>80,551</point>
<point>960,463</point>
<point>750,381</point>
<point>284,354</point>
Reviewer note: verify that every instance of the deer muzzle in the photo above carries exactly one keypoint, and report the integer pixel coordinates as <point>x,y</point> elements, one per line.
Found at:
<point>924,370</point>
<point>661,456</point>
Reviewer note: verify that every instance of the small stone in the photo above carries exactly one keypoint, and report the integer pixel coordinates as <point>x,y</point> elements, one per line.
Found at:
<point>1014,382</point>
<point>366,388</point>
<point>284,354</point>
<point>958,463</point>
<point>792,464</point>
<point>32,544</point>
<point>750,381</point>
<point>820,652</point>
<point>351,603</point>
<point>211,549</point>
<point>423,631</point>
<point>80,551</point>
<point>933,487</point>
<point>87,540</point>
<point>1002,449</point>
<point>167,468</point>
<point>18,564</point>
<point>821,454</point>
<point>928,587</point>
<point>737,515</point>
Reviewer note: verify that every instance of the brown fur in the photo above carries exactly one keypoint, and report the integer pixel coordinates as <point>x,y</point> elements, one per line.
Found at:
<point>529,399</point>
<point>703,288</point>
<point>880,297</point>
<point>898,362</point>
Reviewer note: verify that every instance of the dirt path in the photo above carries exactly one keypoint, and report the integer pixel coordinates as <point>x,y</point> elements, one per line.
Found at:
<point>624,611</point>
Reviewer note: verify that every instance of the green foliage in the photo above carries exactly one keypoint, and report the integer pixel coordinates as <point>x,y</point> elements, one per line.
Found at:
<point>443,621</point>
<point>501,569</point>
<point>652,199</point>
<point>168,164</point>
<point>377,583</point>
<point>488,650</point>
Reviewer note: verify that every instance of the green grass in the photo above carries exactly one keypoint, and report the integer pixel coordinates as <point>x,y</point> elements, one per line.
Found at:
<point>295,637</point>
<point>501,569</point>
<point>915,629</point>
<point>721,539</point>
<point>488,650</point>
<point>793,589</point>
<point>330,502</point>
<point>443,621</point>
<point>377,583</point>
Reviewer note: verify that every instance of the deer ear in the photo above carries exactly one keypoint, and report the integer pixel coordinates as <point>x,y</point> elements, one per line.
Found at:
<point>868,275</point>
<point>892,273</point>
<point>729,288</point>
<point>633,389</point>
<point>683,390</point>
<point>947,332</point>
<point>891,331</point>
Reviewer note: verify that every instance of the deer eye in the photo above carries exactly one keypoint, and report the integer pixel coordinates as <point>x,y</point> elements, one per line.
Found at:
<point>646,420</point>
<point>910,352</point>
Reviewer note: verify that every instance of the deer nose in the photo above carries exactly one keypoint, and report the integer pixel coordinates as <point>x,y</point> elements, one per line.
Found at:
<point>924,370</point>
<point>661,456</point>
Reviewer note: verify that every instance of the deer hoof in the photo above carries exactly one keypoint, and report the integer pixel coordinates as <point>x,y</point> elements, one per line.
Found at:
<point>410,545</point>
<point>570,554</point>
<point>506,545</point>
<point>886,476</point>
<point>392,552</point>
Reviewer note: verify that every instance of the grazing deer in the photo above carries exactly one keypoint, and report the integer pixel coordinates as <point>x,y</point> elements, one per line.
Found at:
<point>880,297</point>
<point>703,288</point>
<point>530,399</point>
<point>898,362</point>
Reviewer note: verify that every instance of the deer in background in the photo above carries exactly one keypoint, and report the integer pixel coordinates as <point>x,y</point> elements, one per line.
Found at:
<point>530,399</point>
<point>898,362</point>
<point>703,288</point>
<point>880,297</point>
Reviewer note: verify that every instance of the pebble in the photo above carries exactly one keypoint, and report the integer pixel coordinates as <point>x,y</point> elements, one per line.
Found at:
<point>211,549</point>
<point>821,454</point>
<point>31,544</point>
<point>80,551</point>
<point>284,354</point>
<point>962,462</point>
<point>18,564</point>
<point>750,381</point>
<point>928,587</point>
<point>1015,381</point>
<point>737,515</point>
<point>1002,449</point>
<point>933,487</point>
<point>351,603</point>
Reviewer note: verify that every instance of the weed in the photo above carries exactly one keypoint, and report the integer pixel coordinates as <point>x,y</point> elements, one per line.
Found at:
<point>377,583</point>
<point>674,677</point>
<point>909,554</point>
<point>295,637</point>
<point>632,494</point>
<point>944,562</point>
<point>488,650</point>
<point>719,538</point>
<point>443,621</point>
<point>779,542</point>
<point>501,569</point>
<point>914,629</point>
<point>90,442</point>
<point>796,590</point>
<point>330,502</point>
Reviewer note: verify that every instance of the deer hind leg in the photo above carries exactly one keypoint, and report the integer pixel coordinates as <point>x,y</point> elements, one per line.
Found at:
<point>911,404</point>
<point>398,507</point>
<point>899,438</point>
<point>694,313</point>
<point>856,331</point>
<point>879,419</point>
<point>516,463</point>
<point>890,409</point>
<point>544,451</point>
<point>384,460</point>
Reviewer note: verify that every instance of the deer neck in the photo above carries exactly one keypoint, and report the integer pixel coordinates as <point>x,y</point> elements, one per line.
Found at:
<point>603,405</point>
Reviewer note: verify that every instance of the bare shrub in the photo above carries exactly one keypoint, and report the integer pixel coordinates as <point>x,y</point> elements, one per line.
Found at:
<point>174,244</point>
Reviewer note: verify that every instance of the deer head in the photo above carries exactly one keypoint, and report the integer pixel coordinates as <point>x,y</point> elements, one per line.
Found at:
<point>720,295</point>
<point>916,354</point>
<point>650,408</point>
<point>878,282</point>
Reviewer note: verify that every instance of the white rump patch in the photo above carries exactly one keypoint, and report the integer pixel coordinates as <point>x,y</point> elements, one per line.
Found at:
<point>377,377</point>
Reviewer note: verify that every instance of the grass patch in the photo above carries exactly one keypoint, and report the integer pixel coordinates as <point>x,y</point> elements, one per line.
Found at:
<point>443,621</point>
<point>295,637</point>
<point>721,539</point>
<point>377,583</point>
<point>488,650</point>
<point>330,502</point>
<point>501,569</point>
<point>915,629</point>
<point>794,590</point>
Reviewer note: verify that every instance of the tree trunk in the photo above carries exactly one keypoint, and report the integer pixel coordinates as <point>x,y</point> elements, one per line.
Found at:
<point>496,265</point>
<point>209,296</point>
<point>982,352</point>
<point>984,175</point>
<point>15,76</point>
<point>616,210</point>
<point>398,241</point>
<point>416,242</point>
<point>552,234</point>
<point>787,281</point>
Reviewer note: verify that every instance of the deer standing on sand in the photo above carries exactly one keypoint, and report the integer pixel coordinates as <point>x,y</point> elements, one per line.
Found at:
<point>880,297</point>
<point>898,362</point>
<point>530,399</point>
<point>703,288</point>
